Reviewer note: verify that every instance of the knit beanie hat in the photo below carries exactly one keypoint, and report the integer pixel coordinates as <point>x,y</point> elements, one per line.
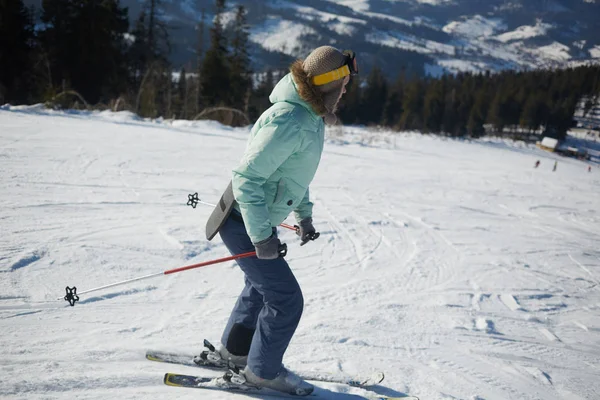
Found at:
<point>321,60</point>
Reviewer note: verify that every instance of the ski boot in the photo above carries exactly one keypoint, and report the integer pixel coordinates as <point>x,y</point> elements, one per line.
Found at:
<point>286,381</point>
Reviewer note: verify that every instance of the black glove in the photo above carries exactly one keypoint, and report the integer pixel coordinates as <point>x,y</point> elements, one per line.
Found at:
<point>306,231</point>
<point>270,248</point>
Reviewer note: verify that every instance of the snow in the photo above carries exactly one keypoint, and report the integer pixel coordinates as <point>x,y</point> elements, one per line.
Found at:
<point>356,5</point>
<point>462,65</point>
<point>555,51</point>
<point>409,42</point>
<point>129,38</point>
<point>513,55</point>
<point>549,142</point>
<point>281,35</point>
<point>525,32</point>
<point>434,2</point>
<point>315,14</point>
<point>580,44</point>
<point>337,23</point>
<point>228,18</point>
<point>392,18</point>
<point>474,42</point>
<point>452,265</point>
<point>364,5</point>
<point>395,40</point>
<point>475,27</point>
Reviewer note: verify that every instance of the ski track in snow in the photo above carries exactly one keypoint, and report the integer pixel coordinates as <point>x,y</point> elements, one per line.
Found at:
<point>453,266</point>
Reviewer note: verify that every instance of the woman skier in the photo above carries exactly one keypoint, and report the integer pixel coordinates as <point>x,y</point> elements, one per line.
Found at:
<point>271,181</point>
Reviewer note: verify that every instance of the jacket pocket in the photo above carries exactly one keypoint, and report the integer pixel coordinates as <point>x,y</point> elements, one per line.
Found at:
<point>291,194</point>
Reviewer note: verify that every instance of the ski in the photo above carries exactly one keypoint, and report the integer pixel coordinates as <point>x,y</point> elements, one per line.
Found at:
<point>206,359</point>
<point>183,359</point>
<point>225,384</point>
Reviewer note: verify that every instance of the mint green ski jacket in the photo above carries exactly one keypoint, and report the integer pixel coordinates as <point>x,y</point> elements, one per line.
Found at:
<point>280,161</point>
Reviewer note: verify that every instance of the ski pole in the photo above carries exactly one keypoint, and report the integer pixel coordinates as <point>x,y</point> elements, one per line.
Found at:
<point>193,201</point>
<point>72,296</point>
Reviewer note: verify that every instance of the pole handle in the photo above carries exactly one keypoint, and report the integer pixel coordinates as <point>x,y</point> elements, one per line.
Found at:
<point>282,250</point>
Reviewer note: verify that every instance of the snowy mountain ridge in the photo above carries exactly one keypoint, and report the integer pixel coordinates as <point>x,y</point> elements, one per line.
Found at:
<point>434,35</point>
<point>421,36</point>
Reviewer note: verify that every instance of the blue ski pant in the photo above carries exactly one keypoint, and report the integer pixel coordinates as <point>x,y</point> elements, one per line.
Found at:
<point>267,311</point>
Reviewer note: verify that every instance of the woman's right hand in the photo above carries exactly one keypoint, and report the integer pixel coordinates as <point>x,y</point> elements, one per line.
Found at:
<point>270,248</point>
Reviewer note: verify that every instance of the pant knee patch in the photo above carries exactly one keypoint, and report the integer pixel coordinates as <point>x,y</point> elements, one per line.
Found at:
<point>239,340</point>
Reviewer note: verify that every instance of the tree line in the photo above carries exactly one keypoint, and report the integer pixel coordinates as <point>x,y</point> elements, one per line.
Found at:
<point>84,53</point>
<point>471,104</point>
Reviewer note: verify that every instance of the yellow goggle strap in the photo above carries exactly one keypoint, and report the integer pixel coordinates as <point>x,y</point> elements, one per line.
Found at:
<point>331,76</point>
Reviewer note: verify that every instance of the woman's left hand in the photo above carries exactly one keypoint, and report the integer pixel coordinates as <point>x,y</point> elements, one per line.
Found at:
<point>306,231</point>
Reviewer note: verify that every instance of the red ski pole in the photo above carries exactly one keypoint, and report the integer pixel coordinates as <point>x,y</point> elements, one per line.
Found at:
<point>205,263</point>
<point>72,295</point>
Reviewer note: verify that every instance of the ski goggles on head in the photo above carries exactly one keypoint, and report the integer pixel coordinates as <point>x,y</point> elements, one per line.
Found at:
<point>351,62</point>
<point>350,67</point>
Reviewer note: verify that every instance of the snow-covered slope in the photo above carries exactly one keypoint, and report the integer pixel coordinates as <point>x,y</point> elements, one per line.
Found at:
<point>454,266</point>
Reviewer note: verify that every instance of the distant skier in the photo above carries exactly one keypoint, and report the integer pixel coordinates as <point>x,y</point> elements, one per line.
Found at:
<point>555,165</point>
<point>537,164</point>
<point>589,168</point>
<point>271,181</point>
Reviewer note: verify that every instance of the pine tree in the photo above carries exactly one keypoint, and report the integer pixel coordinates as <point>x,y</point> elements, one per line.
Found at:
<point>412,116</point>
<point>180,100</point>
<point>241,83</point>
<point>259,100</point>
<point>139,53</point>
<point>531,115</point>
<point>215,78</point>
<point>16,44</point>
<point>433,106</point>
<point>158,41</point>
<point>56,41</point>
<point>349,109</point>
<point>478,114</point>
<point>151,69</point>
<point>199,58</point>
<point>392,111</point>
<point>374,97</point>
<point>561,117</point>
<point>497,113</point>
<point>466,99</point>
<point>85,45</point>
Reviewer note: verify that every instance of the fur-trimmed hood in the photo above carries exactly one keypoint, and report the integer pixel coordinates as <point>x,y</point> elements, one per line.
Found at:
<point>296,87</point>
<point>307,90</point>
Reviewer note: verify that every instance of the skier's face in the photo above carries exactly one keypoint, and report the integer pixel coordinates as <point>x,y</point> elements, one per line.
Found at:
<point>346,80</point>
